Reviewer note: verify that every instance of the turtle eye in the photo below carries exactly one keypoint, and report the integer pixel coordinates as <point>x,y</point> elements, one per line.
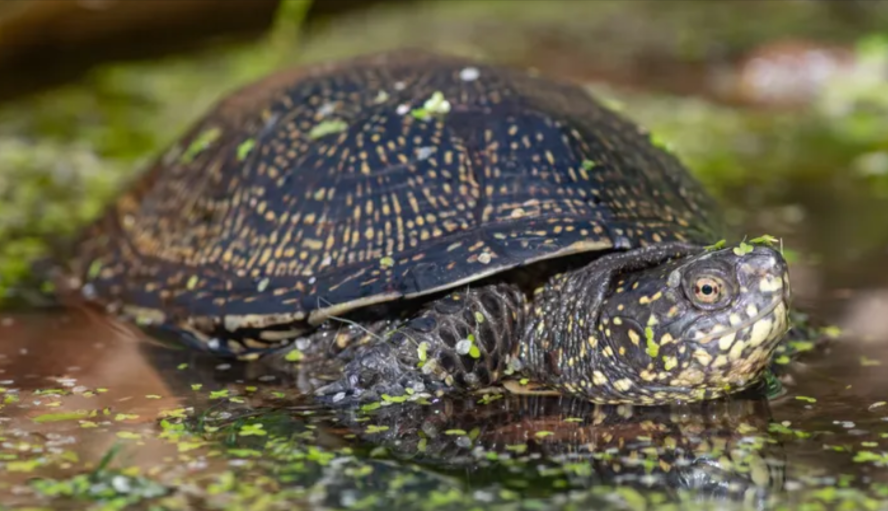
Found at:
<point>709,290</point>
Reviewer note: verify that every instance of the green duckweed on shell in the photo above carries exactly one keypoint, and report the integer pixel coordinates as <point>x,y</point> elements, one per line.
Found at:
<point>327,127</point>
<point>200,144</point>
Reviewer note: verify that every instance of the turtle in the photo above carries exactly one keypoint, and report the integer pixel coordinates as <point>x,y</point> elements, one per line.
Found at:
<point>438,224</point>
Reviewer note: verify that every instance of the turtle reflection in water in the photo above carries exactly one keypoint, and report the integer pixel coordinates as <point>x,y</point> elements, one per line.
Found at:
<point>718,451</point>
<point>401,192</point>
<point>547,447</point>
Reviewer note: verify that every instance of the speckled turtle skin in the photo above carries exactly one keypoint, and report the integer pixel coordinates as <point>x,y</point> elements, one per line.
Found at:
<point>418,181</point>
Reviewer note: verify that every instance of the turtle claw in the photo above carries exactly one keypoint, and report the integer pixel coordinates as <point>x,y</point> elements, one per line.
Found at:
<point>333,390</point>
<point>374,375</point>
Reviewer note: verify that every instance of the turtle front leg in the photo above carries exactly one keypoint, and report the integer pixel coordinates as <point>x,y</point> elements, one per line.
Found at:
<point>462,341</point>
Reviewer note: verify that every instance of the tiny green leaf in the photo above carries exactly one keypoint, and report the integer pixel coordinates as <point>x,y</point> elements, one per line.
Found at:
<point>435,105</point>
<point>832,331</point>
<point>653,349</point>
<point>801,346</point>
<point>489,398</point>
<point>369,407</point>
<point>244,149</point>
<point>200,143</point>
<point>252,430</point>
<point>717,245</point>
<point>765,239</point>
<point>743,248</point>
<point>325,128</point>
<point>422,351</point>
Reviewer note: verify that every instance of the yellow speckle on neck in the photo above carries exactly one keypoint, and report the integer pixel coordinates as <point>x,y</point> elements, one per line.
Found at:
<point>634,337</point>
<point>703,357</point>
<point>726,341</point>
<point>623,385</point>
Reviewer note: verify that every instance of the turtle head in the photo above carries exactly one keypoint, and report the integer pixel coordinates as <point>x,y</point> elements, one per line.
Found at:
<point>694,328</point>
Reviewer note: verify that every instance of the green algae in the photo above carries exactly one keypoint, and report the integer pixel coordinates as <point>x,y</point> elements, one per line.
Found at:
<point>201,143</point>
<point>245,148</point>
<point>327,127</point>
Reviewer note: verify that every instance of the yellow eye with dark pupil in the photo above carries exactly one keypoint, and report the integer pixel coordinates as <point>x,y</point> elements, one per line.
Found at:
<point>707,289</point>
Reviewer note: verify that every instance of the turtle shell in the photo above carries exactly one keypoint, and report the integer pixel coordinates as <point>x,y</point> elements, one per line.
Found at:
<point>333,187</point>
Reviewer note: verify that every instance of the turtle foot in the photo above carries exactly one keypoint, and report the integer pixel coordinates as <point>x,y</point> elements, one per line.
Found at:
<point>377,374</point>
<point>461,341</point>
